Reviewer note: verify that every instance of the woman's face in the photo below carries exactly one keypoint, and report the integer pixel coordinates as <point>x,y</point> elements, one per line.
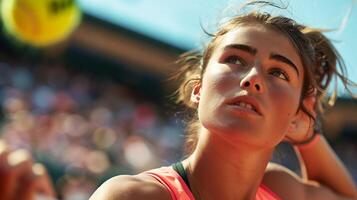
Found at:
<point>251,86</point>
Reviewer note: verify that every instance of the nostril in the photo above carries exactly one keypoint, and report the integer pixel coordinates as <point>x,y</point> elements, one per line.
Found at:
<point>257,87</point>
<point>246,84</point>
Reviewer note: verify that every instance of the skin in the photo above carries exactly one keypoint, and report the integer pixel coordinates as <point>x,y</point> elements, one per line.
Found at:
<point>235,142</point>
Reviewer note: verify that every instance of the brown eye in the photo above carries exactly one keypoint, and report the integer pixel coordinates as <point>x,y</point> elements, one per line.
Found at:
<point>236,60</point>
<point>280,74</point>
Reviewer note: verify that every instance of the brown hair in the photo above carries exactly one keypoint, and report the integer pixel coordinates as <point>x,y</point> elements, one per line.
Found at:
<point>319,58</point>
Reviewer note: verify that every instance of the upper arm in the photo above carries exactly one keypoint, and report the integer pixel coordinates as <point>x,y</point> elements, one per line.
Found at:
<point>131,188</point>
<point>288,185</point>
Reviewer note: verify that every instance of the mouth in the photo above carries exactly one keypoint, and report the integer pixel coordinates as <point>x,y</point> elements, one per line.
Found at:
<point>246,103</point>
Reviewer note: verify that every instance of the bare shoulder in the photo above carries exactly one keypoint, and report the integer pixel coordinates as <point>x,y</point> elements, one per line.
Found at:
<point>288,185</point>
<point>135,187</point>
<point>284,182</point>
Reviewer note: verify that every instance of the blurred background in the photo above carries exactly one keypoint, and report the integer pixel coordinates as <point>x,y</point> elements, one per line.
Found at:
<point>98,103</point>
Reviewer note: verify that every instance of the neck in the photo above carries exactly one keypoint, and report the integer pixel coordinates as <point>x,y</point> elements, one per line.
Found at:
<point>219,170</point>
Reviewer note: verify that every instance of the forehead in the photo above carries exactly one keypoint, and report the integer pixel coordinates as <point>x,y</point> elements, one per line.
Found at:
<point>264,39</point>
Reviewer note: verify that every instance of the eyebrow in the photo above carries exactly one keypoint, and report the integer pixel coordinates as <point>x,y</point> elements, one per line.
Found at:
<point>242,47</point>
<point>284,60</point>
<point>253,52</point>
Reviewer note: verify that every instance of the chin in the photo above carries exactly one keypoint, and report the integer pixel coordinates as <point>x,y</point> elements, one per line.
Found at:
<point>245,133</point>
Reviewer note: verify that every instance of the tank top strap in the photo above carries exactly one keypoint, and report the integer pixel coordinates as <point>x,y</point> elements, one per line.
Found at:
<point>178,167</point>
<point>172,181</point>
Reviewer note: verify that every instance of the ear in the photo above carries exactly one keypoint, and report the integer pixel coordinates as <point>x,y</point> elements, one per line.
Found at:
<point>294,124</point>
<point>301,126</point>
<point>196,93</point>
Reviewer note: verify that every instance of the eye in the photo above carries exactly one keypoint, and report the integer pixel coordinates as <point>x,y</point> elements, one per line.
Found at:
<point>233,59</point>
<point>280,74</point>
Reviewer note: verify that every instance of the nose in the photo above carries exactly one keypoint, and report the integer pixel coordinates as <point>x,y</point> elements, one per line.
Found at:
<point>252,81</point>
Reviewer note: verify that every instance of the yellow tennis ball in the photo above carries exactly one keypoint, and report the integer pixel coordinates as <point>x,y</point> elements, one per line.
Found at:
<point>40,22</point>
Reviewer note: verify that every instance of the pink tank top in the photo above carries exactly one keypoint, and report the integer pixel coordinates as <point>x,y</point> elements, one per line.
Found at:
<point>180,191</point>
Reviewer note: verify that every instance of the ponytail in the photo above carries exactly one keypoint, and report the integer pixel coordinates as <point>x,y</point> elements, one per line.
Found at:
<point>328,65</point>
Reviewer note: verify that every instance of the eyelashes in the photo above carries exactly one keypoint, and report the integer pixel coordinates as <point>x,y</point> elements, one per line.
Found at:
<point>280,74</point>
<point>233,59</point>
<point>237,60</point>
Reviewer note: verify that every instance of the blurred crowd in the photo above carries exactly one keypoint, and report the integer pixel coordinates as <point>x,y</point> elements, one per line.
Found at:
<point>85,129</point>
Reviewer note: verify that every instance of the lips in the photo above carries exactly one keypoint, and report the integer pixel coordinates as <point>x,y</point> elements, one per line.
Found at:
<point>246,102</point>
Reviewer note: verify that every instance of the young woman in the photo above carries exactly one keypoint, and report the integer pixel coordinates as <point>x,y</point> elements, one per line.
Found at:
<point>260,81</point>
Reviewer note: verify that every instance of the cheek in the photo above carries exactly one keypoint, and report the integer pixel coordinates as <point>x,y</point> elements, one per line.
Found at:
<point>220,77</point>
<point>212,94</point>
<point>285,96</point>
<point>285,103</point>
<point>217,83</point>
